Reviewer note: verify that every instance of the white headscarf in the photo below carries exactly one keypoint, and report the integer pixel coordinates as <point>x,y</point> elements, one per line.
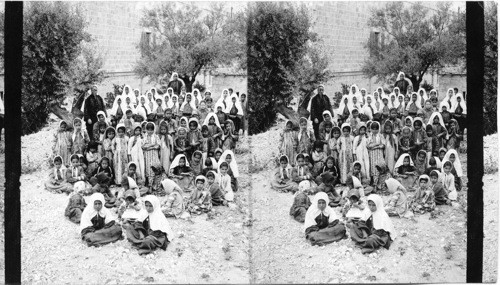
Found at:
<point>431,119</point>
<point>82,129</point>
<point>157,220</point>
<point>314,211</point>
<point>425,97</point>
<point>63,168</point>
<point>130,91</point>
<point>462,104</point>
<point>192,103</point>
<point>457,164</point>
<point>447,97</point>
<point>233,164</point>
<point>175,162</point>
<point>176,105</point>
<point>396,101</point>
<point>207,120</point>
<point>162,104</point>
<point>221,100</point>
<point>114,109</point>
<point>288,168</point>
<point>237,104</point>
<point>342,104</point>
<point>418,102</point>
<point>381,220</point>
<point>199,97</point>
<point>393,185</point>
<point>89,213</point>
<point>401,159</point>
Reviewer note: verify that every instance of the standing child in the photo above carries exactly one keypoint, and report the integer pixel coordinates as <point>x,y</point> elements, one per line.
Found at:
<point>221,116</point>
<point>229,137</point>
<point>376,148</point>
<point>207,145</point>
<point>62,143</point>
<point>135,153</point>
<point>194,137</point>
<point>305,137</point>
<point>166,146</point>
<point>80,137</point>
<point>197,163</point>
<point>456,167</point>
<point>107,145</point>
<point>406,144</point>
<point>232,171</point>
<point>360,151</point>
<point>151,148</point>
<point>332,149</point>
<point>318,158</point>
<point>93,158</point>
<point>454,136</point>
<point>345,147</point>
<point>181,143</point>
<point>225,182</point>
<point>170,121</point>
<point>215,190</point>
<point>391,145</point>
<point>419,136</point>
<point>102,136</point>
<point>129,122</point>
<point>449,181</point>
<point>120,152</point>
<point>288,141</point>
<point>214,129</point>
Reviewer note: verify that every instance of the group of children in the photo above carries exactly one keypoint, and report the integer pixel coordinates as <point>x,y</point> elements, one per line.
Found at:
<point>404,146</point>
<point>156,156</point>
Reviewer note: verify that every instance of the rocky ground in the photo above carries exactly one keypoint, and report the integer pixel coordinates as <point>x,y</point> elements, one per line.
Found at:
<point>205,250</point>
<point>426,250</point>
<point>256,242</point>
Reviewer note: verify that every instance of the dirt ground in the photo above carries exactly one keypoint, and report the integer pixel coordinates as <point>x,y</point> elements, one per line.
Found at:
<point>256,242</point>
<point>203,251</point>
<point>426,250</point>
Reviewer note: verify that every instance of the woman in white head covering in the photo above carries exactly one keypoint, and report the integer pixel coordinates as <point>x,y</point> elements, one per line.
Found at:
<point>214,128</point>
<point>188,106</point>
<point>398,203</point>
<point>322,225</point>
<point>224,100</point>
<point>150,102</point>
<point>117,110</point>
<point>234,112</point>
<point>423,95</point>
<point>97,226</point>
<point>415,104</point>
<point>404,170</point>
<point>143,108</point>
<point>197,97</point>
<point>369,108</point>
<point>452,156</point>
<point>345,108</point>
<point>228,157</point>
<point>459,109</point>
<point>127,91</point>
<point>375,229</point>
<point>449,99</point>
<point>354,91</point>
<point>152,230</point>
<point>283,177</point>
<point>181,173</point>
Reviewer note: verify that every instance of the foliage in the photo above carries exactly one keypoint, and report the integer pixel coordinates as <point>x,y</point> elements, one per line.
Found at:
<point>53,34</point>
<point>427,86</point>
<point>282,59</point>
<point>345,88</point>
<point>186,41</point>
<point>417,40</point>
<point>86,70</point>
<point>490,67</point>
<point>199,86</point>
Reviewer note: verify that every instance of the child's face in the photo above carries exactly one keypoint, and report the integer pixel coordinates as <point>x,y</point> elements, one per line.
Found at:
<point>441,155</point>
<point>374,131</point>
<point>102,129</point>
<point>429,133</point>
<point>447,169</point>
<point>182,162</point>
<point>408,123</point>
<point>407,99</point>
<point>211,180</point>
<point>129,115</point>
<point>400,99</point>
<point>192,126</point>
<point>328,129</point>
<point>168,115</point>
<point>421,156</point>
<point>228,159</point>
<point>78,125</point>
<point>353,200</point>
<point>327,117</point>
<point>158,102</point>
<point>362,131</point>
<point>223,170</point>
<point>452,158</point>
<point>355,114</point>
<point>406,161</point>
<point>205,133</point>
<point>97,205</point>
<point>346,132</point>
<point>436,120</point>
<point>113,122</point>
<point>300,161</point>
<point>303,125</point>
<point>104,164</point>
<point>79,161</point>
<point>121,132</point>
<point>387,129</point>
<point>93,150</point>
<point>434,179</point>
<point>131,170</point>
<point>414,97</point>
<point>217,155</point>
<point>197,158</point>
<point>283,164</point>
<point>288,126</point>
<point>62,127</point>
<point>199,184</point>
<point>211,121</point>
<point>219,109</point>
<point>336,134</point>
<point>163,130</point>
<point>372,206</point>
<point>318,149</point>
<point>129,200</point>
<point>149,207</point>
<point>183,123</point>
<point>101,118</point>
<point>329,163</point>
<point>423,183</point>
<point>137,131</point>
<point>393,114</point>
<point>356,169</point>
<point>57,164</point>
<point>418,125</point>
<point>321,204</point>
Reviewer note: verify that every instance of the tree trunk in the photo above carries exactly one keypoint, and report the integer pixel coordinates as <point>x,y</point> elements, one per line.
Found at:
<point>63,114</point>
<point>188,82</point>
<point>288,113</point>
<point>415,82</point>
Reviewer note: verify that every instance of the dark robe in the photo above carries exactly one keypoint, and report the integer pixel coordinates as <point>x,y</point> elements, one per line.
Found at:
<point>402,84</point>
<point>176,85</point>
<point>324,233</point>
<point>93,104</point>
<point>144,239</point>
<point>100,234</point>
<point>75,208</point>
<point>319,104</point>
<point>368,238</point>
<point>440,195</point>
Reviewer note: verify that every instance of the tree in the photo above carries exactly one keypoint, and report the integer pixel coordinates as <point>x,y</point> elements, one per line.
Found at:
<point>53,34</point>
<point>417,41</point>
<point>284,58</point>
<point>187,41</point>
<point>490,67</point>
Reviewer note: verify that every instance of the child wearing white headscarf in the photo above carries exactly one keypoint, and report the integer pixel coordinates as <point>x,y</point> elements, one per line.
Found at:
<point>97,226</point>
<point>283,178</point>
<point>152,230</point>
<point>375,229</point>
<point>322,225</point>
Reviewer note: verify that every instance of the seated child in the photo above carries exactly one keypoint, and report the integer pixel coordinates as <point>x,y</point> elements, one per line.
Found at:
<point>209,165</point>
<point>283,181</point>
<point>75,208</point>
<point>215,190</point>
<point>449,181</point>
<point>375,228</point>
<point>105,167</point>
<point>100,184</point>
<point>159,176</point>
<point>321,225</point>
<point>301,202</point>
<point>440,195</point>
<point>131,180</point>
<point>456,167</point>
<point>330,166</point>
<point>232,171</point>
<point>181,173</point>
<point>93,158</point>
<point>397,206</point>
<point>383,174</point>
<point>201,201</point>
<point>173,206</point>
<point>75,175</point>
<point>197,162</point>
<point>225,182</point>
<point>217,154</point>
<point>353,209</point>
<point>421,162</point>
<point>404,171</point>
<point>150,231</point>
<point>328,187</point>
<point>129,210</point>
<point>301,170</point>
<point>57,178</point>
<point>424,200</point>
<point>97,226</point>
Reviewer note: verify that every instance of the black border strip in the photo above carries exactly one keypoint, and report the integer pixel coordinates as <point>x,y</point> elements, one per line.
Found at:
<point>13,80</point>
<point>475,167</point>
